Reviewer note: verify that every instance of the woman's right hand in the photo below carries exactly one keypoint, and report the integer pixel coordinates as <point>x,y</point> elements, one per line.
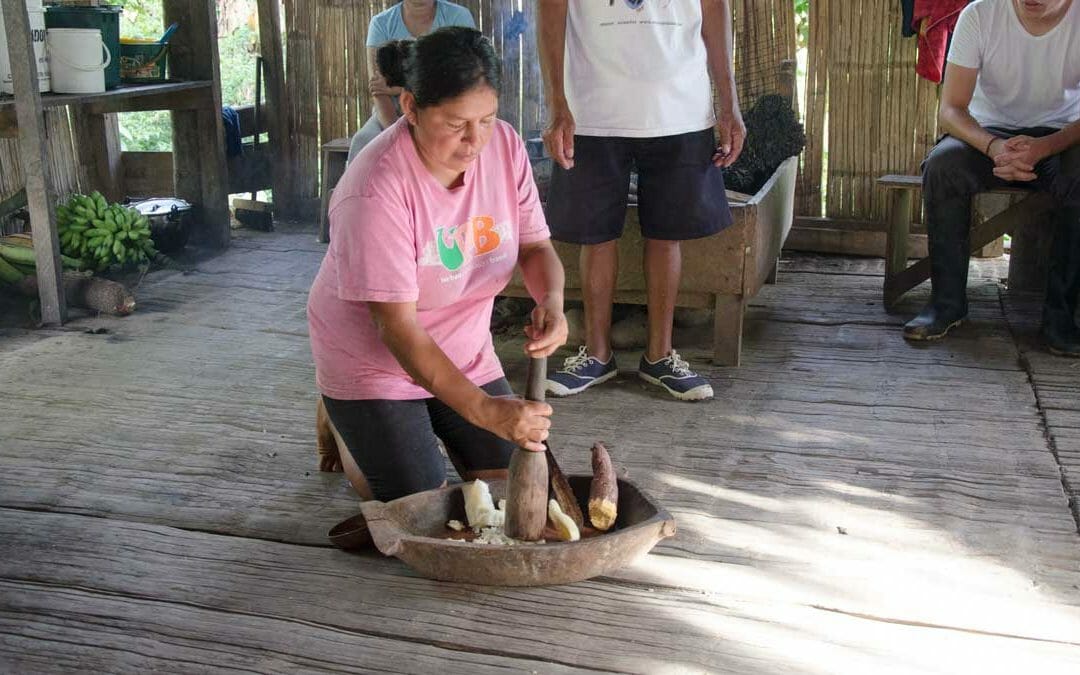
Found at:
<point>526,423</point>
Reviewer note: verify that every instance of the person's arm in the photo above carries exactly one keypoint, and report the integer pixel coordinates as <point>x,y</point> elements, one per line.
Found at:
<point>954,117</point>
<point>559,134</point>
<point>545,279</point>
<point>1023,152</point>
<point>381,93</point>
<point>716,32</point>
<point>523,422</point>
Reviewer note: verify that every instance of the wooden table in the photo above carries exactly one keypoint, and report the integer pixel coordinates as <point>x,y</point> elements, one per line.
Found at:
<point>335,155</point>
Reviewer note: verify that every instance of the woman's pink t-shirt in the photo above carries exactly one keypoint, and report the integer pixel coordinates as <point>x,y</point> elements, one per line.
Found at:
<point>398,235</point>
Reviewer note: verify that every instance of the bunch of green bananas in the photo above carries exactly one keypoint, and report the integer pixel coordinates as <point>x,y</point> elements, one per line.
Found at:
<point>102,234</point>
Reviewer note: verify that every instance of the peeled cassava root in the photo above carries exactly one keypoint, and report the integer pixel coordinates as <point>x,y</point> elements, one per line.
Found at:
<point>564,525</point>
<point>604,491</point>
<point>479,507</point>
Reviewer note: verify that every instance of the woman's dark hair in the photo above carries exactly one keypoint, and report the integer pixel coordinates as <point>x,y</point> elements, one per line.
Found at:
<point>441,65</point>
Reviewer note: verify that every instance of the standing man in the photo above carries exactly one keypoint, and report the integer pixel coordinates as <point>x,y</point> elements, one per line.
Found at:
<point>628,88</point>
<point>1011,109</point>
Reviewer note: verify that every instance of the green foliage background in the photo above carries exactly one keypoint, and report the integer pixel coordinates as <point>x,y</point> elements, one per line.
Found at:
<point>152,131</point>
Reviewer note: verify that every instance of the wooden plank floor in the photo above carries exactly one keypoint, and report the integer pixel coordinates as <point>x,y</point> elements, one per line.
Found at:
<point>848,503</point>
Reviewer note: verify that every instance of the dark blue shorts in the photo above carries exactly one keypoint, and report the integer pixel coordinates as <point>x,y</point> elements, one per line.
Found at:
<point>396,443</point>
<point>680,193</point>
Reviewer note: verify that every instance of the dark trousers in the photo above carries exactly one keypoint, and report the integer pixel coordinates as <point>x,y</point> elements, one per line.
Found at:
<point>953,174</point>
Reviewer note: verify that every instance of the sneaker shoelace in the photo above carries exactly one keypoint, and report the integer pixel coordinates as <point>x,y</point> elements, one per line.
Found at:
<point>678,365</point>
<point>574,363</point>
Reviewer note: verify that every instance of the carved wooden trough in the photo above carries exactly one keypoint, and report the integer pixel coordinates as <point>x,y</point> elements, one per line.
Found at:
<point>414,529</point>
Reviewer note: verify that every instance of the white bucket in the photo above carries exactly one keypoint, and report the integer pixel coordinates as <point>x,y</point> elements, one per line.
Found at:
<point>36,14</point>
<point>78,59</point>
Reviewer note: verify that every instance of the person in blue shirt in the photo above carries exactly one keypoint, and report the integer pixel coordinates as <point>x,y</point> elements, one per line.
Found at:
<point>406,20</point>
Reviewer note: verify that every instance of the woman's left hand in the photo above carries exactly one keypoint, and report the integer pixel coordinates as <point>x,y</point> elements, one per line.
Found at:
<point>548,330</point>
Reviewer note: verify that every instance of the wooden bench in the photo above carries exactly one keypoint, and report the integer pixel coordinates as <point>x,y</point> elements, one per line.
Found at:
<point>334,156</point>
<point>1023,206</point>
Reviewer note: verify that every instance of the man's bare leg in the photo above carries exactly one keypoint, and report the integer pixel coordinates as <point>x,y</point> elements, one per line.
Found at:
<point>599,268</point>
<point>663,270</point>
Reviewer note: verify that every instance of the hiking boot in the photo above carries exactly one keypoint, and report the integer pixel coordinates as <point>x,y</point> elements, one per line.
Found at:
<point>674,374</point>
<point>579,372</point>
<point>931,324</point>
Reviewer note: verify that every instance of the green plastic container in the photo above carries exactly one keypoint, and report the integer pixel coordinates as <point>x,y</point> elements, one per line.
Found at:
<point>143,62</point>
<point>105,18</point>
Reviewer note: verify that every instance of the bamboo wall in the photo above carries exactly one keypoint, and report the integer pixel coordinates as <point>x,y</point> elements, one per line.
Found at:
<point>61,161</point>
<point>865,101</point>
<point>765,36</point>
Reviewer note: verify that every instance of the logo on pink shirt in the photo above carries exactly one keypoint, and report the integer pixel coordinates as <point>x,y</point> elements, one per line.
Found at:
<point>459,244</point>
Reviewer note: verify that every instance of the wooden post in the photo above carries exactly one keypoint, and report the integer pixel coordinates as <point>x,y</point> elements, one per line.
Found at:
<point>277,104</point>
<point>727,329</point>
<point>198,136</point>
<point>97,140</point>
<point>901,207</point>
<point>34,144</point>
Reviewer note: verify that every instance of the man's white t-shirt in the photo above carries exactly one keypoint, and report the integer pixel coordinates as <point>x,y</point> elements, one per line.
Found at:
<point>1024,80</point>
<point>637,68</point>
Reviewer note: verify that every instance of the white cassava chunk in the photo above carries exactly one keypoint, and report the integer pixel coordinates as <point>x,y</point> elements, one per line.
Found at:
<point>564,524</point>
<point>479,507</point>
<point>455,525</point>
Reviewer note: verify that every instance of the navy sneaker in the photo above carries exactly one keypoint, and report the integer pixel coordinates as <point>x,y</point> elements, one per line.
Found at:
<point>674,374</point>
<point>579,372</point>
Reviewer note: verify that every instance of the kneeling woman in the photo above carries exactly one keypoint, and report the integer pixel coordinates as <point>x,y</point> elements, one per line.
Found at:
<point>427,226</point>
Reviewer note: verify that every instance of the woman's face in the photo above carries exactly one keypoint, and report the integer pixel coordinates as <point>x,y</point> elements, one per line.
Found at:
<point>450,136</point>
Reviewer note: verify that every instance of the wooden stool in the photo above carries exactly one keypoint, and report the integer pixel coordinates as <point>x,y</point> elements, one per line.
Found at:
<point>334,156</point>
<point>1026,206</point>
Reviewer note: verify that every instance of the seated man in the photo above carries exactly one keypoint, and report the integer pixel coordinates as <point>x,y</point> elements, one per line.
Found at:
<point>1011,110</point>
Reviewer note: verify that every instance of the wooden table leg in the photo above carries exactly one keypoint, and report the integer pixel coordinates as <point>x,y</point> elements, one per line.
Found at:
<point>727,329</point>
<point>901,207</point>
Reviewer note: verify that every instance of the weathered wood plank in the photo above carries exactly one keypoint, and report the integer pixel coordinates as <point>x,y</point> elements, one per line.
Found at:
<point>44,628</point>
<point>593,624</point>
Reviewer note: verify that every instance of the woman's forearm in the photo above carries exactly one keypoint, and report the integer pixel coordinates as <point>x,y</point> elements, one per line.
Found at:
<point>543,273</point>
<point>429,366</point>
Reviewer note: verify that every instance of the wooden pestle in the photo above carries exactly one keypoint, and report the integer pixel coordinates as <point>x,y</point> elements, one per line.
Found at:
<point>527,485</point>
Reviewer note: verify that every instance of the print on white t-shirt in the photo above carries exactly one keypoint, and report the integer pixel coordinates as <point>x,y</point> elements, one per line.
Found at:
<point>637,68</point>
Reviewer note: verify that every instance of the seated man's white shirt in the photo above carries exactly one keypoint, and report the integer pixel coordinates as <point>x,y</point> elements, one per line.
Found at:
<point>1024,80</point>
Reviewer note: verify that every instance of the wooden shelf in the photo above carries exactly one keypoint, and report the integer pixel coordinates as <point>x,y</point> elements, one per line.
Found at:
<point>194,97</point>
<point>182,95</point>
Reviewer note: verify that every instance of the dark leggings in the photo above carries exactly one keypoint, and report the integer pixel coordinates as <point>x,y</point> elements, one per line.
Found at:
<point>395,443</point>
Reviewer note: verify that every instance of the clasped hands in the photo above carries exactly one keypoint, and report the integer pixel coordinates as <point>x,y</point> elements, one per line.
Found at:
<point>1015,158</point>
